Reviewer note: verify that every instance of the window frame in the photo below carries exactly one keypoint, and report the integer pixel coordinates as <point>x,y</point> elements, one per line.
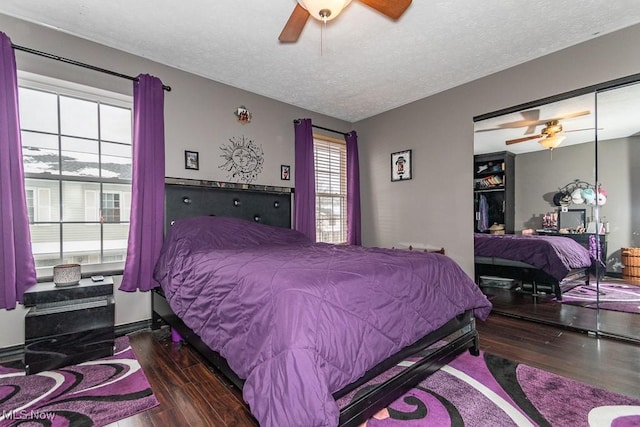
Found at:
<point>340,196</point>
<point>99,96</point>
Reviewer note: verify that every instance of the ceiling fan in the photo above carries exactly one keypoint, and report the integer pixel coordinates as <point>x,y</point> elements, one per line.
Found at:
<point>326,10</point>
<point>551,135</point>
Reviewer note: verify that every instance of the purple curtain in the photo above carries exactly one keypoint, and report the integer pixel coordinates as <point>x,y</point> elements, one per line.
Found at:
<point>354,236</point>
<point>147,198</point>
<point>305,195</point>
<point>17,268</point>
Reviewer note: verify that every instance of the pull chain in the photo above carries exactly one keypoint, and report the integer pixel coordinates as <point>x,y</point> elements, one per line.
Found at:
<point>324,14</point>
<point>322,28</point>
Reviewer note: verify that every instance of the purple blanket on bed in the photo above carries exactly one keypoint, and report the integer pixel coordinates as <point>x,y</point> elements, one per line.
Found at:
<point>300,320</point>
<point>555,255</point>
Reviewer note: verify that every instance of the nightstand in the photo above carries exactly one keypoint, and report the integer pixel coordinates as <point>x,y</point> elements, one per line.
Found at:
<point>68,325</point>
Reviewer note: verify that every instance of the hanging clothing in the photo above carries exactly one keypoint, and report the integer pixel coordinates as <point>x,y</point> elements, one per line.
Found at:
<point>483,214</point>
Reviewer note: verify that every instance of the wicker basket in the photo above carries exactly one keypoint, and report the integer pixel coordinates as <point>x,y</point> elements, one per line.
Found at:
<point>631,260</point>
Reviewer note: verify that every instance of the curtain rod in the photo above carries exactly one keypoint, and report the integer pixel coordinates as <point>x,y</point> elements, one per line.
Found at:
<point>79,64</point>
<point>323,128</point>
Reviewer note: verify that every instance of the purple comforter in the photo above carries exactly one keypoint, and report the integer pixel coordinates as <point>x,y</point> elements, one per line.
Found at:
<point>555,255</point>
<point>299,320</point>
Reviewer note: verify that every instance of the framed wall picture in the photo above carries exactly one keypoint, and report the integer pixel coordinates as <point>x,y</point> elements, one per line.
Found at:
<point>401,166</point>
<point>191,160</point>
<point>285,172</point>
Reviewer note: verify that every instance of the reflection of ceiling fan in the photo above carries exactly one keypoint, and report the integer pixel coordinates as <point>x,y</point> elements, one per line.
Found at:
<point>326,10</point>
<point>551,129</point>
<point>550,136</point>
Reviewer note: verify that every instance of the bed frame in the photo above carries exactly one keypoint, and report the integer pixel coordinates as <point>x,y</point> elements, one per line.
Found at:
<point>528,274</point>
<point>272,206</point>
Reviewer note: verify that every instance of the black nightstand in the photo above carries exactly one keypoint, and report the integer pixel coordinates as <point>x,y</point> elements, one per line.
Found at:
<point>68,325</point>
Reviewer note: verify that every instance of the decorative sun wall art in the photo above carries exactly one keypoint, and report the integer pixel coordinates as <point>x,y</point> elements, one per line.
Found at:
<point>243,159</point>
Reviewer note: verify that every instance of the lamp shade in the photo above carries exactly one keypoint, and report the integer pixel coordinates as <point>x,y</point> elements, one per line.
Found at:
<point>552,141</point>
<point>314,7</point>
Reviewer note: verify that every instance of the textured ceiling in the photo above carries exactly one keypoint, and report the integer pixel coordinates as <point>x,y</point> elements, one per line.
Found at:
<point>368,64</point>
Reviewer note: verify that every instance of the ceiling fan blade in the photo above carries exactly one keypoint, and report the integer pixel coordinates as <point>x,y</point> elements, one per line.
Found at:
<point>533,116</point>
<point>531,119</point>
<point>526,138</point>
<point>392,8</point>
<point>292,29</point>
<point>579,130</point>
<point>571,115</point>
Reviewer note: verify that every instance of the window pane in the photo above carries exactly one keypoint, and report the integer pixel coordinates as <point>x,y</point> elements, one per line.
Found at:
<point>80,157</point>
<point>78,117</point>
<point>115,242</point>
<point>115,124</point>
<point>80,201</point>
<point>45,201</point>
<point>116,161</point>
<point>40,153</point>
<point>80,243</point>
<point>38,110</point>
<point>45,244</point>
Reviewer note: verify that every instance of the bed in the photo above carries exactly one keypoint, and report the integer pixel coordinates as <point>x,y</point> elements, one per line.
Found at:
<point>297,325</point>
<point>554,262</point>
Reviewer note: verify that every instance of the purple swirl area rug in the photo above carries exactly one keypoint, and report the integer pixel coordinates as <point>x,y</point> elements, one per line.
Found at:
<point>492,391</point>
<point>94,393</point>
<point>612,296</point>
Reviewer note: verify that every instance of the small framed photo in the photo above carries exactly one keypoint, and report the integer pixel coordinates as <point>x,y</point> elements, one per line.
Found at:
<point>285,172</point>
<point>401,166</point>
<point>191,160</point>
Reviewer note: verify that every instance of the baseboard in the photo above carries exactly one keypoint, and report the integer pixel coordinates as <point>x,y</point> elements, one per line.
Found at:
<point>128,328</point>
<point>8,354</point>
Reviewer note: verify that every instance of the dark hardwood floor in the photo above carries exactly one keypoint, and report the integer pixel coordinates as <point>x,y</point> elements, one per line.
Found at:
<point>191,393</point>
<point>546,310</point>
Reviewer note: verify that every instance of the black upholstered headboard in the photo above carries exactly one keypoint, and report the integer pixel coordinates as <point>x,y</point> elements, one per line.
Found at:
<point>264,204</point>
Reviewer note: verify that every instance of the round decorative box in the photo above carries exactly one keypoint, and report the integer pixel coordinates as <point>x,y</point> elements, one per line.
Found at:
<point>66,274</point>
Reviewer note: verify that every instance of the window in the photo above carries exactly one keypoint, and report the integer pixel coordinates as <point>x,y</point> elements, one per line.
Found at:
<point>111,207</point>
<point>331,189</point>
<point>76,145</point>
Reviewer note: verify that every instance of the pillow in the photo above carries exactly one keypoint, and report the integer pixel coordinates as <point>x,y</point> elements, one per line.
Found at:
<point>231,233</point>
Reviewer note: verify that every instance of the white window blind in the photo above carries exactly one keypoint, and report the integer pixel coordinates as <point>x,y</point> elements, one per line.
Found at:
<point>331,190</point>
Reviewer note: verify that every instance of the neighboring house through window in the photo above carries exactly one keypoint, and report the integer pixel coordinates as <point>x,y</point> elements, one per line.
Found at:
<point>330,157</point>
<point>76,145</point>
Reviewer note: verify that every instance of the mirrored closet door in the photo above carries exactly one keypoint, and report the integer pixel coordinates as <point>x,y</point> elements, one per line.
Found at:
<point>575,175</point>
<point>618,177</point>
<point>554,183</point>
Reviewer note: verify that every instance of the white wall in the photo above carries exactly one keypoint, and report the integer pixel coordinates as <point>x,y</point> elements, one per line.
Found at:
<point>436,206</point>
<point>198,117</point>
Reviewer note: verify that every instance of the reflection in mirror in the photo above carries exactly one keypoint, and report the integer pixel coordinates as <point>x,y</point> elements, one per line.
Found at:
<point>553,176</point>
<point>576,155</point>
<point>619,177</point>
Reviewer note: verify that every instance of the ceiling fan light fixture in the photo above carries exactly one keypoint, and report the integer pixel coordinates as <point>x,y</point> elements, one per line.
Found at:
<point>552,127</point>
<point>552,141</point>
<point>324,10</point>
